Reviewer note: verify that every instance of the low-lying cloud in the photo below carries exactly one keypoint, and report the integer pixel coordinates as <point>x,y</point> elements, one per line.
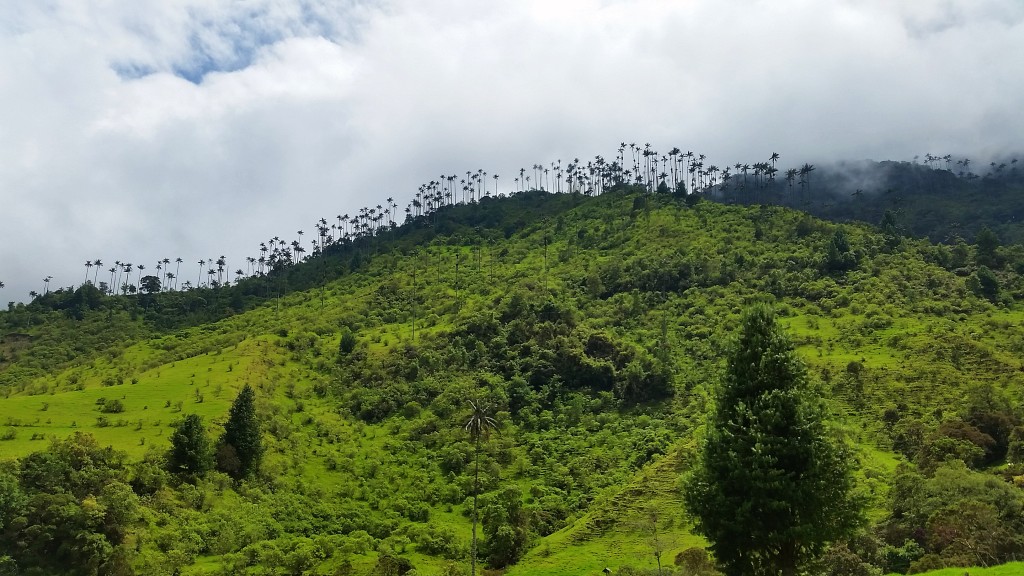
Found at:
<point>140,131</point>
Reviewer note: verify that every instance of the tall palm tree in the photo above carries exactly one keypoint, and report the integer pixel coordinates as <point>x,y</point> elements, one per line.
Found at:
<point>177,270</point>
<point>479,426</point>
<point>167,268</point>
<point>98,264</point>
<point>128,267</point>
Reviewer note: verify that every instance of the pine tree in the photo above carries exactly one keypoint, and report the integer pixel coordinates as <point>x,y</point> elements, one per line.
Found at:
<point>771,487</point>
<point>190,447</point>
<point>241,437</point>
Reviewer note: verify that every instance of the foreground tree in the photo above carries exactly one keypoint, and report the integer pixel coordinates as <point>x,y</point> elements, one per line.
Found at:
<point>241,449</point>
<point>772,488</point>
<point>190,452</point>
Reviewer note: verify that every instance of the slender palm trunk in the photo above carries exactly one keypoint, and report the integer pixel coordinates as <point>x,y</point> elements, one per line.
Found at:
<point>476,490</point>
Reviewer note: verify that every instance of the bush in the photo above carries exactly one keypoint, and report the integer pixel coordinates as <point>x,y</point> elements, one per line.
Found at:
<point>695,562</point>
<point>112,406</point>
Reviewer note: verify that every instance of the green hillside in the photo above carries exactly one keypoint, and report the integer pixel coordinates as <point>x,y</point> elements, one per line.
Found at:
<point>593,329</point>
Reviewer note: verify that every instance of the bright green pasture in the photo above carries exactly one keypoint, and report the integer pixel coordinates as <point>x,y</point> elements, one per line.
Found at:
<point>204,385</point>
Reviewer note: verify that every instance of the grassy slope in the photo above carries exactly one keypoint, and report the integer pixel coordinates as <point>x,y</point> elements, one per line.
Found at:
<point>903,319</point>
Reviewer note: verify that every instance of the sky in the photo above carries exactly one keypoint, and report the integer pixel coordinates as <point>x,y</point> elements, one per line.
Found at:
<point>137,130</point>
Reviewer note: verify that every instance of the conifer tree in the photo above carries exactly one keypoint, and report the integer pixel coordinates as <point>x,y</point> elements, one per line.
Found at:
<point>190,447</point>
<point>241,436</point>
<point>771,487</point>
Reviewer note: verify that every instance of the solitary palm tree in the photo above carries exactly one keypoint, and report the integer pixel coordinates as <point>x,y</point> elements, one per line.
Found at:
<point>479,425</point>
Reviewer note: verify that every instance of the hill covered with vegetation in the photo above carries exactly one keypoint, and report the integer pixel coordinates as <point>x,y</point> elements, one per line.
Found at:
<point>589,330</point>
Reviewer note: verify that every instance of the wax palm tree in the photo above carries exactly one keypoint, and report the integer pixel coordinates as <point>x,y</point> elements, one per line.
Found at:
<point>790,177</point>
<point>479,426</point>
<point>177,271</point>
<point>88,266</point>
<point>805,177</point>
<point>167,268</point>
<point>128,267</point>
<point>97,263</point>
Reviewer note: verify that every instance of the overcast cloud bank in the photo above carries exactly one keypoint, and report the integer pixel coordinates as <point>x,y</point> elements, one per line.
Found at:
<point>141,130</point>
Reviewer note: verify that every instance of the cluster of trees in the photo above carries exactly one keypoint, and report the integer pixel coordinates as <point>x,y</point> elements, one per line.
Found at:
<point>238,452</point>
<point>77,508</point>
<point>642,166</point>
<point>632,165</point>
<point>773,489</point>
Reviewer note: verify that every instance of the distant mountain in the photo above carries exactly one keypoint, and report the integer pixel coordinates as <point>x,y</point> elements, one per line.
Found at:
<point>926,201</point>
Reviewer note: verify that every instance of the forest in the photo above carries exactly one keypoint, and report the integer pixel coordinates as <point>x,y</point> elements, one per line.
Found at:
<point>529,383</point>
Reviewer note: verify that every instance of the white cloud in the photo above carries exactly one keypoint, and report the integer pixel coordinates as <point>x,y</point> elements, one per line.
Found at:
<point>138,130</point>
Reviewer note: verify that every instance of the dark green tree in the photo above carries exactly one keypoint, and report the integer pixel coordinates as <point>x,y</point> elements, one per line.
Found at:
<point>241,437</point>
<point>190,452</point>
<point>986,243</point>
<point>838,256</point>
<point>984,283</point>
<point>149,284</point>
<point>506,527</point>
<point>771,488</point>
<point>347,343</point>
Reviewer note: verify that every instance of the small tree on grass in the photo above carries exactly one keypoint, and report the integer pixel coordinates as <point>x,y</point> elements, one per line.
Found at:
<point>771,488</point>
<point>241,448</point>
<point>190,447</point>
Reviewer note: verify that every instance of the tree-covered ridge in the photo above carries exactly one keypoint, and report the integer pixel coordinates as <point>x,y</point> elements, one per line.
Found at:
<point>593,335</point>
<point>936,199</point>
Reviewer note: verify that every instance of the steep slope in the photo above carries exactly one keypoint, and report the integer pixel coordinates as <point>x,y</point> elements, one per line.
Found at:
<point>592,335</point>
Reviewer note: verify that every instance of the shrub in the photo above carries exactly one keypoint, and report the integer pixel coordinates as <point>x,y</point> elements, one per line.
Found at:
<point>113,406</point>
